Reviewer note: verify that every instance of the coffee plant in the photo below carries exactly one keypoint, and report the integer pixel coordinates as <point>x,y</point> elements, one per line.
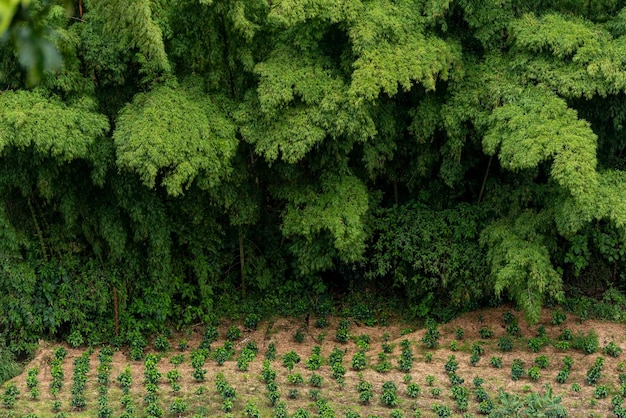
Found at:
<point>595,371</point>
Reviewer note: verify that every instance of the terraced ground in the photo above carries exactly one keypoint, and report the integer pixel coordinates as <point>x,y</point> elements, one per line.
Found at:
<point>383,371</point>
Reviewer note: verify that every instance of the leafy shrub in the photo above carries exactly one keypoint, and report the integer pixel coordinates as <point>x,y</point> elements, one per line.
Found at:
<point>601,392</point>
<point>431,337</point>
<point>251,410</point>
<point>517,369</point>
<point>342,335</point>
<point>558,317</point>
<point>270,353</point>
<point>178,407</point>
<point>505,344</point>
<point>562,376</point>
<point>359,361</point>
<point>177,360</point>
<point>496,362</point>
<point>485,332</point>
<point>534,373</point>
<point>233,333</point>
<point>568,362</point>
<point>251,321</point>
<point>435,392</point>
<point>161,343</point>
<point>413,390</point>
<point>452,364</point>
<point>430,380</point>
<point>75,339</point>
<point>455,379</point>
<point>293,394</point>
<point>290,359</point>
<point>338,371</point>
<point>316,380</point>
<point>459,333</point>
<point>536,343</point>
<point>612,349</point>
<point>587,343</point>
<point>336,356</point>
<point>298,336</point>
<point>542,362</point>
<point>442,411</point>
<point>562,345</point>
<point>566,335</point>
<point>11,392</point>
<point>595,371</point>
<point>295,378</point>
<point>389,398</point>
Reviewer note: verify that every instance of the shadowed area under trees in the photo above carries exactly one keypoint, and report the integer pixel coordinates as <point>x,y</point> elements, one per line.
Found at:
<point>170,162</point>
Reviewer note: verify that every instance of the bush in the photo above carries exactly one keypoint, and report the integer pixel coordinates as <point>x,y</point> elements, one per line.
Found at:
<point>413,390</point>
<point>505,344</point>
<point>270,353</point>
<point>343,333</point>
<point>558,317</point>
<point>431,337</point>
<point>562,376</point>
<point>595,372</point>
<point>161,343</point>
<point>451,365</point>
<point>534,373</point>
<point>601,392</point>
<point>359,361</point>
<point>496,362</point>
<point>290,359</point>
<point>612,349</point>
<point>251,321</point>
<point>587,343</point>
<point>316,380</point>
<point>517,369</point>
<point>542,362</point>
<point>233,333</point>
<point>485,333</point>
<point>178,407</point>
<point>536,343</point>
<point>251,410</point>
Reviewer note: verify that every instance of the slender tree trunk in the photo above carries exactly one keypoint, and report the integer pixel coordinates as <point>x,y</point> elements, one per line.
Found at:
<point>38,229</point>
<point>242,263</point>
<point>482,187</point>
<point>116,312</point>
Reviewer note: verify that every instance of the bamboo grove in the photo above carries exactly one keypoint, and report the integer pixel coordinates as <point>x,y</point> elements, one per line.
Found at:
<point>168,160</point>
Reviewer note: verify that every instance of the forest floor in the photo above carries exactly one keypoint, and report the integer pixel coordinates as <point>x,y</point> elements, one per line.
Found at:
<point>202,398</point>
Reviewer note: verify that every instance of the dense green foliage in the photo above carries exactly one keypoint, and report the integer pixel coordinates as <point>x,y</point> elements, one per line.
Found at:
<point>188,155</point>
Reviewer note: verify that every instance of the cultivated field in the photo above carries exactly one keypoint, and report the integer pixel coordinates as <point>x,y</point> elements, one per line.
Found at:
<point>383,371</point>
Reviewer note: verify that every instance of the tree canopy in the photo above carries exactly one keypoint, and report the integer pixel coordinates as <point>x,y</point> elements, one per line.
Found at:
<point>173,158</point>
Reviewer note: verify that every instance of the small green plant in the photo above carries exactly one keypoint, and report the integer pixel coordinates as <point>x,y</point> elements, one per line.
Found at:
<point>251,410</point>
<point>270,353</point>
<point>295,379</point>
<point>542,362</point>
<point>435,392</point>
<point>536,343</point>
<point>452,364</point>
<point>413,390</point>
<point>75,339</point>
<point>562,376</point>
<point>575,387</point>
<point>442,411</point>
<point>496,362</point>
<point>587,343</point>
<point>485,332</point>
<point>612,349</point>
<point>298,336</point>
<point>233,333</point>
<point>601,392</point>
<point>505,344</point>
<point>343,333</point>
<point>534,373</point>
<point>428,357</point>
<point>517,369</point>
<point>316,380</point>
<point>359,361</point>
<point>161,343</point>
<point>459,333</point>
<point>430,380</point>
<point>431,337</point>
<point>290,359</point>
<point>179,407</point>
<point>595,372</point>
<point>454,346</point>
<point>558,317</point>
<point>251,321</point>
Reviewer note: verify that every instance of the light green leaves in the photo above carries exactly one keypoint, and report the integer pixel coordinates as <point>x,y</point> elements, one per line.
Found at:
<point>336,207</point>
<point>537,126</point>
<point>51,127</point>
<point>177,135</point>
